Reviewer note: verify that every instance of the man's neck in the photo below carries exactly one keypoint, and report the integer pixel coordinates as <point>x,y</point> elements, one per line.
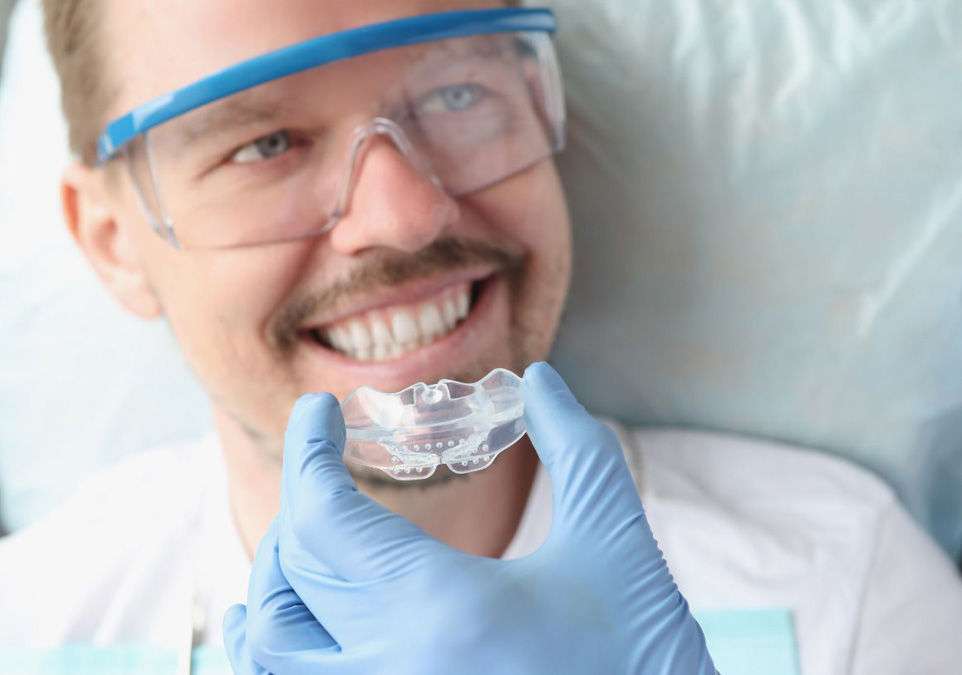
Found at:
<point>478,513</point>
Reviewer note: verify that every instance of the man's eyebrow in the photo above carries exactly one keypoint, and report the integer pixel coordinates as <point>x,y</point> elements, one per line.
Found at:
<point>246,108</point>
<point>251,107</point>
<point>480,46</point>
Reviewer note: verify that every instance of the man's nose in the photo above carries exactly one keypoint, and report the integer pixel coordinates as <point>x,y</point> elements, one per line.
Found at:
<point>392,204</point>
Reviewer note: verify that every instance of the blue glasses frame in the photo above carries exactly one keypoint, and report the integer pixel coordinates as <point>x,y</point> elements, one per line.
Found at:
<point>317,52</point>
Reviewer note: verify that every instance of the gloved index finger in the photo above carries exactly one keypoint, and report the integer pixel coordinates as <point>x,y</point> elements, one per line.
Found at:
<point>590,477</point>
<point>357,538</point>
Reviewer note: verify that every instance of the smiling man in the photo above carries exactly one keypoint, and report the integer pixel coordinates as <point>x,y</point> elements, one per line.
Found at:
<point>317,195</point>
<point>311,242</point>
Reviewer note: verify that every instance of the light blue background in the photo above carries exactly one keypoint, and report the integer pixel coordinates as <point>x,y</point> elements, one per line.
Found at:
<point>768,209</point>
<point>767,201</point>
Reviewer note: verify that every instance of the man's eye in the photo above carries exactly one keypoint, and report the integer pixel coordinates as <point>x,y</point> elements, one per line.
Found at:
<point>456,98</point>
<point>265,147</point>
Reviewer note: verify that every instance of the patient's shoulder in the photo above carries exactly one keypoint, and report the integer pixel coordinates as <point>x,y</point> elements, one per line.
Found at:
<point>60,577</point>
<point>747,523</point>
<point>704,466</point>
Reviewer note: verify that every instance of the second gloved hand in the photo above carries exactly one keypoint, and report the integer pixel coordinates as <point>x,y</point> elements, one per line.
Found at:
<point>343,585</point>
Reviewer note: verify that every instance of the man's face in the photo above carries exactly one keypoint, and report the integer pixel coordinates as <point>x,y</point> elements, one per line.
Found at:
<point>262,325</point>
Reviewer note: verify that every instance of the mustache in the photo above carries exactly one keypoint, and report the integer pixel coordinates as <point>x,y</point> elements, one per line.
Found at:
<point>444,255</point>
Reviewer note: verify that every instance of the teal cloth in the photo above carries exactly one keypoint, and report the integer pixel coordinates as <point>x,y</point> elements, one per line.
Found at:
<point>742,641</point>
<point>751,641</point>
<point>111,660</point>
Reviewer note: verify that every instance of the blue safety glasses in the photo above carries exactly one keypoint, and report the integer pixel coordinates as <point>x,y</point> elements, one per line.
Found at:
<point>271,149</point>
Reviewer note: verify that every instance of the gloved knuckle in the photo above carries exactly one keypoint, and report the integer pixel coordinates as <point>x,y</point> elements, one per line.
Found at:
<point>258,637</point>
<point>305,516</point>
<point>606,438</point>
<point>593,436</point>
<point>286,560</point>
<point>324,471</point>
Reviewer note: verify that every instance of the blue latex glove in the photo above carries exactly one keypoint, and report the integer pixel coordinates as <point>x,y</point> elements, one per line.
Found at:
<point>342,585</point>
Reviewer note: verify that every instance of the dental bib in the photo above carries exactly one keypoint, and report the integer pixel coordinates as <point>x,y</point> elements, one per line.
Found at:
<point>409,433</point>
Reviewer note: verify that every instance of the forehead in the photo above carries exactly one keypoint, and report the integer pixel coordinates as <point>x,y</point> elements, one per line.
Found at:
<point>157,46</point>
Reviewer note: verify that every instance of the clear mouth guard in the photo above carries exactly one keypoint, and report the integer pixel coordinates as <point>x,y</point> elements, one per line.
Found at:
<point>409,433</point>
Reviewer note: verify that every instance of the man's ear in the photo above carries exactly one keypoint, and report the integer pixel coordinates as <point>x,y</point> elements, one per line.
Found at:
<point>92,220</point>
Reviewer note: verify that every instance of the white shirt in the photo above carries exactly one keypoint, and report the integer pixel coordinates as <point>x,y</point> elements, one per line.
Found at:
<point>742,524</point>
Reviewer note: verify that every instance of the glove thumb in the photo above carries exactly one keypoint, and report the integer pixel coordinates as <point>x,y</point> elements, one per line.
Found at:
<point>324,516</point>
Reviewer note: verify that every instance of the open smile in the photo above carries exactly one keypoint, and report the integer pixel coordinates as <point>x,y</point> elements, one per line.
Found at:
<point>416,322</point>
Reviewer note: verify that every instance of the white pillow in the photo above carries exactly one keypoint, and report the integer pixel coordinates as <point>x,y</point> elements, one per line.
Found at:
<point>767,199</point>
<point>768,209</point>
<point>81,382</point>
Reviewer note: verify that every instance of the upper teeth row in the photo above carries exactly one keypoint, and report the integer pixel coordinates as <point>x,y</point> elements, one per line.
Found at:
<point>389,332</point>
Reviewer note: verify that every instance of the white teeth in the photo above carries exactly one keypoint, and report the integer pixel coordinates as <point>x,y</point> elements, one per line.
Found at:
<point>380,332</point>
<point>404,328</point>
<point>389,333</point>
<point>449,312</point>
<point>430,322</point>
<point>359,336</point>
<point>338,339</point>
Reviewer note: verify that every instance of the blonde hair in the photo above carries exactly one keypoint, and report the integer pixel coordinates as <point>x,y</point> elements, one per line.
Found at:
<point>73,29</point>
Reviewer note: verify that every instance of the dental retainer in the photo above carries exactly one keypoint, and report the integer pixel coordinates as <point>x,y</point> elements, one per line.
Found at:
<point>409,433</point>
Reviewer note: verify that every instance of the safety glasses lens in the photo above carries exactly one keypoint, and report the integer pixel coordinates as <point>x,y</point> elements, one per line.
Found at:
<point>280,161</point>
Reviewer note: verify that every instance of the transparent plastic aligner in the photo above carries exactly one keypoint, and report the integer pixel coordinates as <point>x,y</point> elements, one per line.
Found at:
<point>409,433</point>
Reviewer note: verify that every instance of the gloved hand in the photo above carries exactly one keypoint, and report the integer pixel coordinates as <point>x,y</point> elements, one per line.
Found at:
<point>342,585</point>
